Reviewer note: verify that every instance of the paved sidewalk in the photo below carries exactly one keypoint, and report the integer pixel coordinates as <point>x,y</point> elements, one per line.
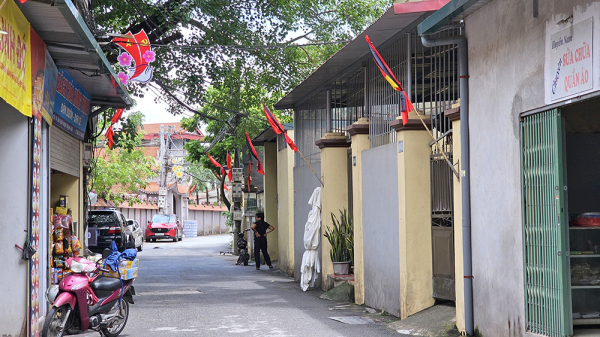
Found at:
<point>437,321</point>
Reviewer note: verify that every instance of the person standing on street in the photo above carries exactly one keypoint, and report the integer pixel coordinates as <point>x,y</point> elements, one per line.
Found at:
<point>261,228</point>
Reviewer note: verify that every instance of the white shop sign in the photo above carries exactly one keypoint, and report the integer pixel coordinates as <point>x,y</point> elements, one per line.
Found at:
<point>570,65</point>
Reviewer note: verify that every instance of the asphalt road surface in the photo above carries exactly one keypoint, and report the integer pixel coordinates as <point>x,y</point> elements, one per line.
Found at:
<point>188,288</point>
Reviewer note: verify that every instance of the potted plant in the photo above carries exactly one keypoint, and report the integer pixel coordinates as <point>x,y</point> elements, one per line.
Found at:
<point>341,239</point>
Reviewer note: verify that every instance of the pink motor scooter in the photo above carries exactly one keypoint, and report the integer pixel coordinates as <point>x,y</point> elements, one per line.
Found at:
<point>84,300</point>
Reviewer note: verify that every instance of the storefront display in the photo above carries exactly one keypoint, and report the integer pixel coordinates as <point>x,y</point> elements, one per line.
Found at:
<point>64,244</point>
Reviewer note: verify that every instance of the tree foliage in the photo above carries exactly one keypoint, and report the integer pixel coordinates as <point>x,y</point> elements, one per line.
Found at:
<point>236,44</point>
<point>124,169</point>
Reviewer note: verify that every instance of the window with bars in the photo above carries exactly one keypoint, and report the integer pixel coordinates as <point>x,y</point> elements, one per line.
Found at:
<point>430,78</point>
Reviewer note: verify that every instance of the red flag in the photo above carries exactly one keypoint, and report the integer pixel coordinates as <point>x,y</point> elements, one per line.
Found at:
<point>277,127</point>
<point>405,104</point>
<point>192,190</point>
<point>216,163</point>
<point>259,167</point>
<point>109,135</point>
<point>249,173</point>
<point>225,187</point>
<point>229,173</point>
<point>116,116</point>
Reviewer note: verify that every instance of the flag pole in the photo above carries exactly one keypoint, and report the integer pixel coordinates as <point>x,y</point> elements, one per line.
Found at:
<point>436,144</point>
<point>306,161</point>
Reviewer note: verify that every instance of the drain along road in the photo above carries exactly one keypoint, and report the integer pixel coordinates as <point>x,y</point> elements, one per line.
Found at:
<point>188,289</point>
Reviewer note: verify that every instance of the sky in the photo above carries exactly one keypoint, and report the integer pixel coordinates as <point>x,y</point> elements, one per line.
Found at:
<point>155,112</point>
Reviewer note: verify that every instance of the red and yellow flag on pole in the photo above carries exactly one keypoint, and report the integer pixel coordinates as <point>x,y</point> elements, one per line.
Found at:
<point>405,104</point>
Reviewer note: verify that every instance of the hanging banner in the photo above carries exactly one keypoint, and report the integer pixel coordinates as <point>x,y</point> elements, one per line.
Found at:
<point>38,64</point>
<point>71,105</point>
<point>571,60</point>
<point>15,58</point>
<point>50,79</point>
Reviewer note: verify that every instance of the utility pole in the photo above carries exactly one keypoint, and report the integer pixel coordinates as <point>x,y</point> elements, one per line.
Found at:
<point>237,194</point>
<point>162,178</point>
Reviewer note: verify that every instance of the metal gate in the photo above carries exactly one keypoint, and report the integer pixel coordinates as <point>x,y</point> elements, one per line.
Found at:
<point>442,228</point>
<point>544,244</point>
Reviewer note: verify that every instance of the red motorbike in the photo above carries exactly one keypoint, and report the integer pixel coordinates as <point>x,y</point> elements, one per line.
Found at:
<point>85,300</point>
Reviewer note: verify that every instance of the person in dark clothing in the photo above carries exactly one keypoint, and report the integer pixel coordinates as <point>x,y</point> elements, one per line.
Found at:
<point>261,229</point>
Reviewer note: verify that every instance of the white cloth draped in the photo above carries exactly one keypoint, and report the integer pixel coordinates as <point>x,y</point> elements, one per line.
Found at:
<point>311,265</point>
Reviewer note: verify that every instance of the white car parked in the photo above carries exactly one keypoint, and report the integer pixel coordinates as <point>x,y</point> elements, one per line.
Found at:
<point>136,232</point>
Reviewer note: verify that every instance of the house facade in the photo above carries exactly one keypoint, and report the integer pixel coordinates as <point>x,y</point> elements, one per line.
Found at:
<point>500,216</point>
<point>393,179</point>
<point>532,126</point>
<point>54,81</point>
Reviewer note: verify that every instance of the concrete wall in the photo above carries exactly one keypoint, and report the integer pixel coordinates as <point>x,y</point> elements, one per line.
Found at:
<point>514,56</point>
<point>285,206</point>
<point>209,222</point>
<point>380,228</point>
<point>14,178</point>
<point>305,183</point>
<point>270,197</point>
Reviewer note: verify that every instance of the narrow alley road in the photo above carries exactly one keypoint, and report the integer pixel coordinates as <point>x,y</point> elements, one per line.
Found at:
<point>188,289</point>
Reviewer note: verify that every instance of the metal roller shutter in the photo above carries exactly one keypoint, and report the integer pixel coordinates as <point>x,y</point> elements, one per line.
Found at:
<point>64,152</point>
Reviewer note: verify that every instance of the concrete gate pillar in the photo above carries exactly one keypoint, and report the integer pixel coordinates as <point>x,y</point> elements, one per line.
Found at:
<point>270,203</point>
<point>359,133</point>
<point>459,281</point>
<point>334,193</point>
<point>414,210</point>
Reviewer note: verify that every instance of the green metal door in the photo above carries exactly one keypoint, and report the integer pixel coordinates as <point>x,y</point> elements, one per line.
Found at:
<point>544,244</point>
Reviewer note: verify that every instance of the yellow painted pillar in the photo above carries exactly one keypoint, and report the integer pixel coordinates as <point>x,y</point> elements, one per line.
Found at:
<point>270,202</point>
<point>459,291</point>
<point>359,133</point>
<point>285,202</point>
<point>334,194</point>
<point>414,209</point>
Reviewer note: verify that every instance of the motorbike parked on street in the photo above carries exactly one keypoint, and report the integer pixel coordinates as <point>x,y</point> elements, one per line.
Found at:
<point>242,244</point>
<point>85,300</point>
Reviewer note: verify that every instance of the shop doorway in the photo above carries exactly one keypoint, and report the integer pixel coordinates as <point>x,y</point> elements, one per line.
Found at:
<point>544,217</point>
<point>561,219</point>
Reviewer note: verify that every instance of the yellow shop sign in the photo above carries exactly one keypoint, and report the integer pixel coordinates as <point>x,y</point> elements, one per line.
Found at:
<point>15,58</point>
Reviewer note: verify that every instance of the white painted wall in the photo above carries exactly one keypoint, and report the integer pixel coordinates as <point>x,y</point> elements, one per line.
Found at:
<point>507,49</point>
<point>14,174</point>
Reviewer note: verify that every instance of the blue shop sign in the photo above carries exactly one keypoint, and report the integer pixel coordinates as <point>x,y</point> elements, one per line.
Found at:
<point>71,106</point>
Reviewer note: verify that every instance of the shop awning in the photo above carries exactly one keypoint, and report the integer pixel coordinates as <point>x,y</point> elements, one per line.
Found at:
<point>396,20</point>
<point>74,49</point>
<point>453,10</point>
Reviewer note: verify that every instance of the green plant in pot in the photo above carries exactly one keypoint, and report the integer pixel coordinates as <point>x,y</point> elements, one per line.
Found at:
<point>341,238</point>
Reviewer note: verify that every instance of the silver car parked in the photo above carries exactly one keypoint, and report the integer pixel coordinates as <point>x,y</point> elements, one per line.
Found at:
<point>136,232</point>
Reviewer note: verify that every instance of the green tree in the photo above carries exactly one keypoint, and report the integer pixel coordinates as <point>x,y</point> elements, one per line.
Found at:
<point>271,45</point>
<point>203,178</point>
<point>123,169</point>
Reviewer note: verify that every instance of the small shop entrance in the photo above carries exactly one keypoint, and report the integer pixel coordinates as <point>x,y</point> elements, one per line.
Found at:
<point>561,219</point>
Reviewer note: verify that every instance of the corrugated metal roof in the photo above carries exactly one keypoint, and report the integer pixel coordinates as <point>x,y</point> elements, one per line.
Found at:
<point>352,54</point>
<point>74,49</point>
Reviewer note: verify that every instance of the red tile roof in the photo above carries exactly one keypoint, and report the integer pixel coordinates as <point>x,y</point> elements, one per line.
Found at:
<point>153,131</point>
